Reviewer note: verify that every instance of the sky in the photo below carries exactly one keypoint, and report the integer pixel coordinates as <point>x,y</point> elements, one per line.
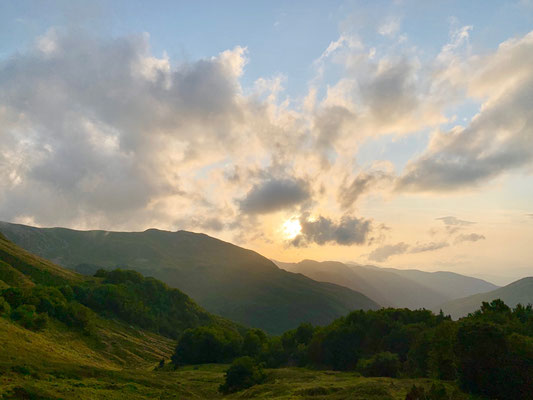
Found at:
<point>391,133</point>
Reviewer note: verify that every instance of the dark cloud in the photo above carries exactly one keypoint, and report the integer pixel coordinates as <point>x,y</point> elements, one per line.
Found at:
<point>274,195</point>
<point>392,93</point>
<point>469,237</point>
<point>347,231</point>
<point>384,252</point>
<point>348,194</point>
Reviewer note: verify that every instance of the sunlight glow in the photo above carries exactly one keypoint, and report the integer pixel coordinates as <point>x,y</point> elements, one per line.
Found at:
<point>291,228</point>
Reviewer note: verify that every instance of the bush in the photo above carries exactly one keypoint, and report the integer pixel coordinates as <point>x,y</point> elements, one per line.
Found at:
<point>437,392</point>
<point>243,373</point>
<point>26,316</point>
<point>5,308</point>
<point>381,364</point>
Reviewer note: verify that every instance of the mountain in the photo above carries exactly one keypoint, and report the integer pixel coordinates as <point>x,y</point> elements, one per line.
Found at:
<point>227,280</point>
<point>520,291</point>
<point>451,284</point>
<point>390,287</point>
<point>120,294</point>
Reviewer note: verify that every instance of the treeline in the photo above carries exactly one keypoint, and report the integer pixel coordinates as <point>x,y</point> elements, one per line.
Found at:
<point>121,294</point>
<point>489,353</point>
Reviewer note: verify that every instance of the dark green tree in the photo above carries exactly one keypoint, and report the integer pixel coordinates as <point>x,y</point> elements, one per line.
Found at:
<point>207,345</point>
<point>380,364</point>
<point>243,373</point>
<point>481,352</point>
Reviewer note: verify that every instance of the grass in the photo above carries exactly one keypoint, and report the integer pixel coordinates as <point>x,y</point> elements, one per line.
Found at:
<point>202,382</point>
<point>120,362</point>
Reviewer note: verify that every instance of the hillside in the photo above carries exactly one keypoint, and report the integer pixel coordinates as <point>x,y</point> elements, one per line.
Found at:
<point>227,280</point>
<point>520,291</point>
<point>49,337</point>
<point>451,284</point>
<point>390,287</point>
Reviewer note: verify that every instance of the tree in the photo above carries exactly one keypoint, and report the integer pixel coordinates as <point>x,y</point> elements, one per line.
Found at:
<point>481,352</point>
<point>442,360</point>
<point>243,373</point>
<point>206,345</point>
<point>254,342</point>
<point>381,364</point>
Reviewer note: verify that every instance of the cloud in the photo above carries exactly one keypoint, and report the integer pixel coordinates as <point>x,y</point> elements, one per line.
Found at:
<point>453,224</point>
<point>431,246</point>
<point>348,194</point>
<point>390,27</point>
<point>470,237</point>
<point>454,221</point>
<point>384,252</point>
<point>497,140</point>
<point>99,128</point>
<point>274,195</point>
<point>195,223</point>
<point>321,230</point>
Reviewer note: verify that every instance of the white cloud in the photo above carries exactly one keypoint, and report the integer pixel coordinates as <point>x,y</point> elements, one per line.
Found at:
<point>389,27</point>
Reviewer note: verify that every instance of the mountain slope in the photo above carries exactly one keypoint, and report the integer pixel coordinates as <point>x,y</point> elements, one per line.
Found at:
<point>227,280</point>
<point>520,291</point>
<point>104,359</point>
<point>389,287</point>
<point>119,294</point>
<point>451,284</point>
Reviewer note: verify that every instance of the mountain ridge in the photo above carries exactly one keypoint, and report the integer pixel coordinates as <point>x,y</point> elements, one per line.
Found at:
<point>520,291</point>
<point>393,287</point>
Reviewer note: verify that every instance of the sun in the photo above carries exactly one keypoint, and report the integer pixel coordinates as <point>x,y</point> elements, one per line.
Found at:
<point>291,228</point>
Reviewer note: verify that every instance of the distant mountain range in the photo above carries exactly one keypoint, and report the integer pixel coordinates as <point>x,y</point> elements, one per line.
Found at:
<point>393,287</point>
<point>520,291</point>
<point>227,280</point>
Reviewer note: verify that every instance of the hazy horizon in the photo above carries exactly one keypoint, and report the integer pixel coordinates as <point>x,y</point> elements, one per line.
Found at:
<point>397,134</point>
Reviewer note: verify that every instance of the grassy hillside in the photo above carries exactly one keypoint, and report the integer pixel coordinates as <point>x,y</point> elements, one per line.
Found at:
<point>227,280</point>
<point>517,292</point>
<point>121,294</point>
<point>390,287</point>
<point>202,382</point>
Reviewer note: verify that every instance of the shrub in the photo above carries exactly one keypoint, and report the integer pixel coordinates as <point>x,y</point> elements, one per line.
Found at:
<point>26,316</point>
<point>381,364</point>
<point>243,373</point>
<point>437,392</point>
<point>5,308</point>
